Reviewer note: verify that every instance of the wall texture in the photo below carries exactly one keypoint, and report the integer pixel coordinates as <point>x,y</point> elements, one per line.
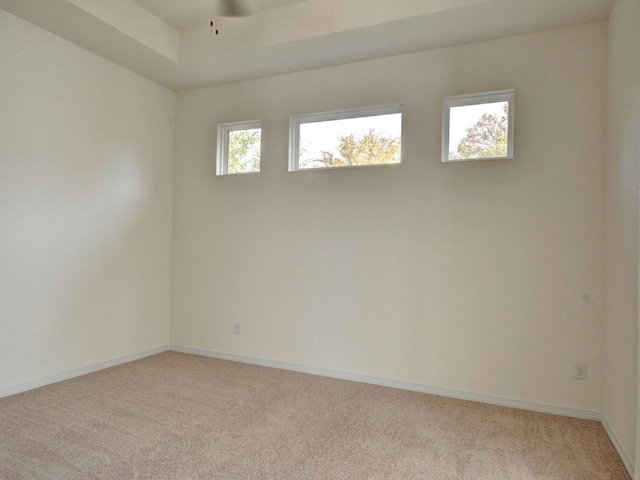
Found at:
<point>86,157</point>
<point>484,277</point>
<point>620,339</point>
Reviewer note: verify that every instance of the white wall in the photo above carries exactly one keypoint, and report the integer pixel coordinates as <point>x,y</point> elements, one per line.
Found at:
<point>620,339</point>
<point>485,277</point>
<point>86,154</point>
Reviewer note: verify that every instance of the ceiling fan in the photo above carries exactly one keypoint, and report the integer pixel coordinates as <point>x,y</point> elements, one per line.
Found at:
<point>234,8</point>
<point>230,8</point>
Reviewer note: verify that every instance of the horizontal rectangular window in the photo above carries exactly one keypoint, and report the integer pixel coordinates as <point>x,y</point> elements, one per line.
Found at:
<point>478,126</point>
<point>239,146</point>
<point>346,138</point>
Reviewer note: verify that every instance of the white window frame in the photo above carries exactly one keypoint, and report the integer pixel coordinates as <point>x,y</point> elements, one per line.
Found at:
<point>296,120</point>
<point>477,99</point>
<point>222,153</point>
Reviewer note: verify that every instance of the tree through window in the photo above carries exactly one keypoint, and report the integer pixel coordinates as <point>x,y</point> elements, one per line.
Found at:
<point>346,138</point>
<point>478,127</point>
<point>239,146</point>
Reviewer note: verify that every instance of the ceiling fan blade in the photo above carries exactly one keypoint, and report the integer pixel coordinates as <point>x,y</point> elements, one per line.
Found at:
<point>234,8</point>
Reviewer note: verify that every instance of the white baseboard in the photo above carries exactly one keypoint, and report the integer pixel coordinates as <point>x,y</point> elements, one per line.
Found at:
<point>616,444</point>
<point>23,387</point>
<point>384,382</point>
<point>355,377</point>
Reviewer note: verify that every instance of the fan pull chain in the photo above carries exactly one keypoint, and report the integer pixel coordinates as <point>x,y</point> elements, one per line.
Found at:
<point>212,16</point>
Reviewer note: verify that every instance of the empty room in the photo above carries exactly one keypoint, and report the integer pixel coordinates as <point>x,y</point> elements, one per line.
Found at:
<point>313,239</point>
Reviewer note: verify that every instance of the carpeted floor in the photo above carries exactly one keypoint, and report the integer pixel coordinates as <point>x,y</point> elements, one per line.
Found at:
<point>176,416</point>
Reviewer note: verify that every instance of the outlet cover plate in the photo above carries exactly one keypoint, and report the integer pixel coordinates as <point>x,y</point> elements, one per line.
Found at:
<point>580,371</point>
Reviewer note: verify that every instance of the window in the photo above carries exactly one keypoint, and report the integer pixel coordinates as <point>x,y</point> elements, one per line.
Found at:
<point>346,138</point>
<point>238,147</point>
<point>478,126</point>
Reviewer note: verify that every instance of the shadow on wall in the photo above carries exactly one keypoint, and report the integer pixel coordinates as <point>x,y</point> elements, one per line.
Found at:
<point>63,225</point>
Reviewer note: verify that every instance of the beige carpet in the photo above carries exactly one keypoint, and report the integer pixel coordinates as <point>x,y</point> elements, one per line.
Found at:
<point>176,416</point>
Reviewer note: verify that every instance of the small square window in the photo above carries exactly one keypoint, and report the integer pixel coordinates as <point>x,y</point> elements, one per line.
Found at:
<point>355,137</point>
<point>478,126</point>
<point>239,146</point>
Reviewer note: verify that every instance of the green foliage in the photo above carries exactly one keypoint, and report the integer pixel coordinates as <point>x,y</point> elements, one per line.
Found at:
<point>244,151</point>
<point>371,148</point>
<point>487,138</point>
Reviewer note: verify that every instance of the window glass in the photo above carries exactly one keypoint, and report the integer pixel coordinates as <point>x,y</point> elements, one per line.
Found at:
<point>347,138</point>
<point>478,127</point>
<point>239,146</point>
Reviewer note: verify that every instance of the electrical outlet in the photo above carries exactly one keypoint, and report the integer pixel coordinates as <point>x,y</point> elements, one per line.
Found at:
<point>580,371</point>
<point>236,328</point>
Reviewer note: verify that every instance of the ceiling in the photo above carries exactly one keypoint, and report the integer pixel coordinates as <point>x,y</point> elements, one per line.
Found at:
<point>171,42</point>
